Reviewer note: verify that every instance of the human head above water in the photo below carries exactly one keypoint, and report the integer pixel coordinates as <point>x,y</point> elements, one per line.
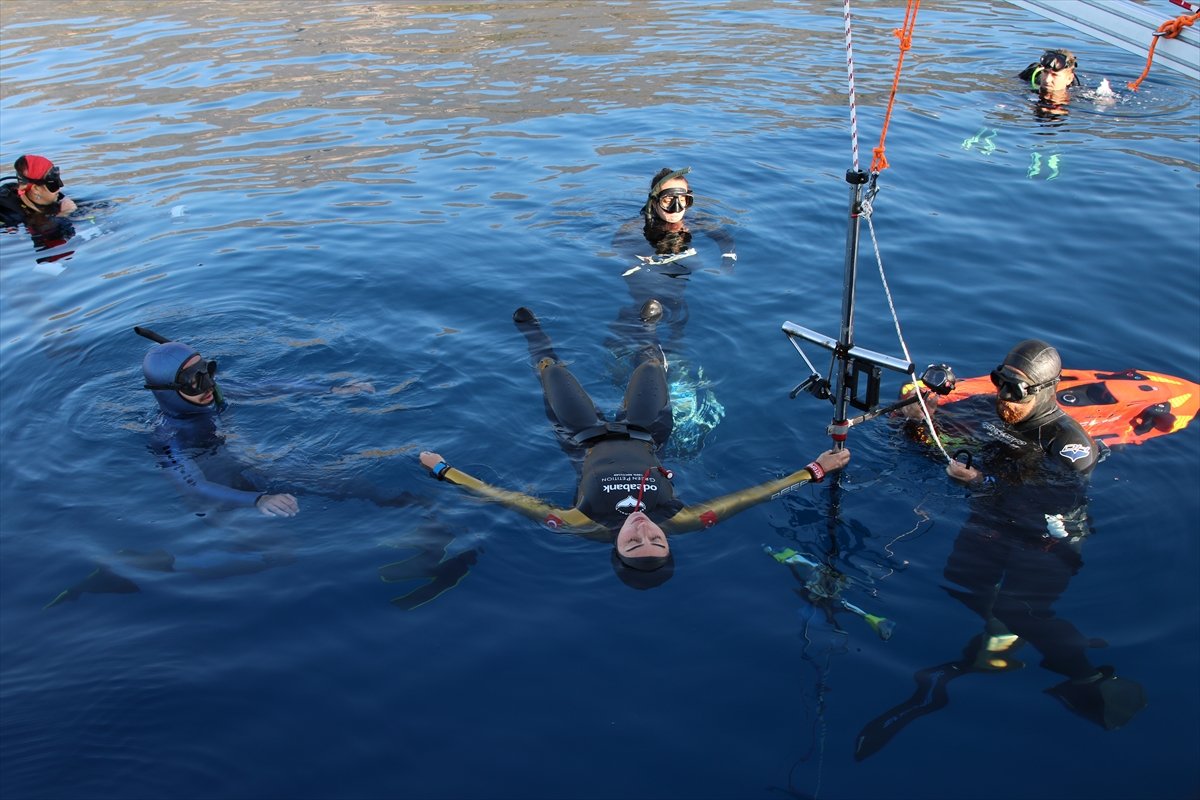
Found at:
<point>1058,60</point>
<point>1054,73</point>
<point>641,554</point>
<point>181,381</point>
<point>669,197</point>
<point>1026,379</point>
<point>641,579</point>
<point>39,170</point>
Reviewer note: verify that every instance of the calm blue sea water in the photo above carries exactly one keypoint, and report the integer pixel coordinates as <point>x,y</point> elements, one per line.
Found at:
<point>367,191</point>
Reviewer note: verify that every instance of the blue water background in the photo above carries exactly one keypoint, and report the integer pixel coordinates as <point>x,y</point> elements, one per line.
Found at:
<point>344,190</point>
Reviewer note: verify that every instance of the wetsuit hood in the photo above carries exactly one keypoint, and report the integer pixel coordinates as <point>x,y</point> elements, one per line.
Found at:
<point>160,366</point>
<point>643,575</point>
<point>1042,364</point>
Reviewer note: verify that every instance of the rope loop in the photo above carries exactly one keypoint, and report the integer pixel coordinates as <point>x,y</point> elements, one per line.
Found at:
<point>1168,30</point>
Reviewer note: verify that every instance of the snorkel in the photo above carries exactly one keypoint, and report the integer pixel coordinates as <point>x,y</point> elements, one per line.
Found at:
<point>162,367</point>
<point>639,520</point>
<point>656,188</point>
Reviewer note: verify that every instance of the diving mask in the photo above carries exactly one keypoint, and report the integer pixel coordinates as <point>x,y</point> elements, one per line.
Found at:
<point>673,201</point>
<point>193,381</point>
<point>1012,387</point>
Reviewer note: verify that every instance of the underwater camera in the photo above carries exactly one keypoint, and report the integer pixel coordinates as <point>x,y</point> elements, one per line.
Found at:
<point>939,378</point>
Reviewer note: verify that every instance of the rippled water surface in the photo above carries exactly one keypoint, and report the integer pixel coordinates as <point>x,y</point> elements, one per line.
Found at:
<point>339,191</point>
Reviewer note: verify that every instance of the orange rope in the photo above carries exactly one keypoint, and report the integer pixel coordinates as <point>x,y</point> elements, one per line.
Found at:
<point>879,161</point>
<point>1169,29</point>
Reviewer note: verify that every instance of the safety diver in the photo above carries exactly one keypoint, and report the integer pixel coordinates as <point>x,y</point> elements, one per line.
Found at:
<point>1022,542</point>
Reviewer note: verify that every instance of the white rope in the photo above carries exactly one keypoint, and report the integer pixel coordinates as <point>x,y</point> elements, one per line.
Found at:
<point>850,75</point>
<point>887,291</point>
<point>866,212</point>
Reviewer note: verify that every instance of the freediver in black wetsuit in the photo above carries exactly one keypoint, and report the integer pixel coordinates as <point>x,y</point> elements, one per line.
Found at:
<point>34,198</point>
<point>666,261</point>
<point>624,493</point>
<point>1019,549</point>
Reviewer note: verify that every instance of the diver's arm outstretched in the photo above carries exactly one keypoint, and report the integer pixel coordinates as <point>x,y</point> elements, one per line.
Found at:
<point>558,518</point>
<point>705,515</point>
<point>259,390</point>
<point>192,482</point>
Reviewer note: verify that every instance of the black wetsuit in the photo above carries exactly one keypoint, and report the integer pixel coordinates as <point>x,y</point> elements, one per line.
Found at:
<point>1021,544</point>
<point>1019,549</point>
<point>666,261</point>
<point>620,462</point>
<point>12,210</point>
<point>15,211</point>
<point>619,469</point>
<point>45,227</point>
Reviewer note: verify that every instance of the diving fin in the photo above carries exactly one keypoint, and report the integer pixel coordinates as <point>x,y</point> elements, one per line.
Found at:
<point>102,580</point>
<point>929,697</point>
<point>931,694</point>
<point>439,579</point>
<point>1104,698</point>
<point>540,346</point>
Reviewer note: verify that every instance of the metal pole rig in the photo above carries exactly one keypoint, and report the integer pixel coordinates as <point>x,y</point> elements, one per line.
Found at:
<point>855,372</point>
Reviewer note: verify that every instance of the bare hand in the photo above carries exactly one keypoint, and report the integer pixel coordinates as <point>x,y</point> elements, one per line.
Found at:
<point>354,387</point>
<point>913,410</point>
<point>961,472</point>
<point>430,459</point>
<point>833,460</point>
<point>278,505</point>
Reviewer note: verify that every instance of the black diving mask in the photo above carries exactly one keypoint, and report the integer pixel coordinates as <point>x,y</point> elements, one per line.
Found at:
<point>1057,60</point>
<point>194,380</point>
<point>675,200</point>
<point>52,180</point>
<point>1015,389</point>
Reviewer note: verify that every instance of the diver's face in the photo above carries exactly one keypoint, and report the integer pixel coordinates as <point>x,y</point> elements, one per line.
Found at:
<point>205,396</point>
<point>39,194</point>
<point>1056,82</point>
<point>640,537</point>
<point>671,207</point>
<point>1012,411</point>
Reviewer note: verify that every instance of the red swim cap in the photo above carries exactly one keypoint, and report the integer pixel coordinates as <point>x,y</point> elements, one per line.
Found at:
<point>33,167</point>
